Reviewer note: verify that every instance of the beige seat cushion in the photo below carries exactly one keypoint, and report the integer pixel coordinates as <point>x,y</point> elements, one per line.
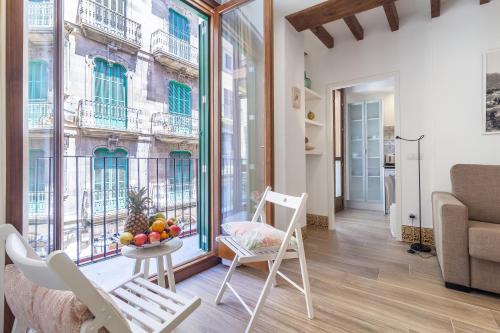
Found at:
<point>478,187</point>
<point>484,240</point>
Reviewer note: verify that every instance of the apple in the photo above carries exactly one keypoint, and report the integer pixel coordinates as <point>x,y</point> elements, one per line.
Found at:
<point>171,221</point>
<point>175,230</point>
<point>154,237</point>
<point>126,238</point>
<point>140,239</point>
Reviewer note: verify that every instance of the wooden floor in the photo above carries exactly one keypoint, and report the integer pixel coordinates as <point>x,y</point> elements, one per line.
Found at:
<point>362,281</point>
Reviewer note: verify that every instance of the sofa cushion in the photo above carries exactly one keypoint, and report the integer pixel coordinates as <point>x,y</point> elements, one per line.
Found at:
<point>484,241</point>
<point>478,187</point>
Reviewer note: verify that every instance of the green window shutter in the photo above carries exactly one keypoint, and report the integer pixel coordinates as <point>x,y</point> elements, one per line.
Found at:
<point>179,98</point>
<point>37,80</point>
<point>178,25</point>
<point>110,180</point>
<point>37,180</point>
<point>204,143</point>
<point>110,94</point>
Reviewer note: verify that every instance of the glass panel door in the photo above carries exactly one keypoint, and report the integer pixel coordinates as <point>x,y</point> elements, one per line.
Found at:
<point>243,110</point>
<point>357,152</point>
<point>373,151</point>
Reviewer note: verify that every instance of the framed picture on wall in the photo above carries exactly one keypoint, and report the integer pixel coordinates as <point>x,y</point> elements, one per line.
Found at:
<point>491,93</point>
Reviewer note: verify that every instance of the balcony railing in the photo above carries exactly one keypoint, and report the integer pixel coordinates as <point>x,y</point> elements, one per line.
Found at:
<point>164,42</point>
<point>171,124</point>
<point>94,206</point>
<point>110,22</point>
<point>111,117</point>
<point>40,14</point>
<point>40,115</point>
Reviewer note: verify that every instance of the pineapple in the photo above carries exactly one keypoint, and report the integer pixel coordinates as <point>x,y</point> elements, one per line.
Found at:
<point>137,221</point>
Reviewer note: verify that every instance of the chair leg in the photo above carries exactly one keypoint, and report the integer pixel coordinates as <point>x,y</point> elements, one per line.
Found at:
<point>222,289</point>
<point>304,273</point>
<point>270,265</point>
<point>19,327</point>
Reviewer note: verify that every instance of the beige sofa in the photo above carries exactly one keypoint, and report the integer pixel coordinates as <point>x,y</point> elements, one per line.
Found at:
<point>467,228</point>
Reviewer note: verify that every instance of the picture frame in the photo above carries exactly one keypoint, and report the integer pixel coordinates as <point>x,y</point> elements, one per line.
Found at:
<point>296,97</point>
<point>491,93</point>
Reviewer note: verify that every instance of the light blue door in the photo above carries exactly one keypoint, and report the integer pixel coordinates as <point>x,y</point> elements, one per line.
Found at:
<point>110,180</point>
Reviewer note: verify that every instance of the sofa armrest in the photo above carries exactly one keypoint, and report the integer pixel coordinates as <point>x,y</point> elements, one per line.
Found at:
<point>451,224</point>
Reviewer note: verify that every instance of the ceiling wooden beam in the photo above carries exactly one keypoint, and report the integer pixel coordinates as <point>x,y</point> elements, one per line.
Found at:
<point>435,8</point>
<point>324,36</point>
<point>355,27</point>
<point>392,15</point>
<point>331,10</point>
<point>483,2</point>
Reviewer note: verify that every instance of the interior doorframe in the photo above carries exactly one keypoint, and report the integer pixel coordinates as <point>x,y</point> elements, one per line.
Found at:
<point>330,88</point>
<point>342,148</point>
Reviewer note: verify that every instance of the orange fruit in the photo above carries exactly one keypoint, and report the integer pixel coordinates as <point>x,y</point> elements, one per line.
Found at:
<point>164,235</point>
<point>158,226</point>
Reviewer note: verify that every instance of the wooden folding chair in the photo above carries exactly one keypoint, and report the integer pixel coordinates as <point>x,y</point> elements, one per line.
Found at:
<point>144,306</point>
<point>273,256</point>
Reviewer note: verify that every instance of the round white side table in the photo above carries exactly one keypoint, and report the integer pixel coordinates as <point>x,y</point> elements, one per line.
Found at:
<point>158,252</point>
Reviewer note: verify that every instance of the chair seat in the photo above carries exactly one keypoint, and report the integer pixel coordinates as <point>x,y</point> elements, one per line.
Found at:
<point>483,240</point>
<point>151,308</point>
<point>260,254</point>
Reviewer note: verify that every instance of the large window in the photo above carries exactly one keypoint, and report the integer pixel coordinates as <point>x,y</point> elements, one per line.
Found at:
<point>179,98</point>
<point>110,180</point>
<point>110,108</point>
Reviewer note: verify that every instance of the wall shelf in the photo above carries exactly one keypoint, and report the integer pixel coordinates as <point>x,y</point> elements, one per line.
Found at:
<point>313,123</point>
<point>311,95</point>
<point>314,152</point>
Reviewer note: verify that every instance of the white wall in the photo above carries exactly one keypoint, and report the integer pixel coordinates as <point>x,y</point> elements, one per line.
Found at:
<point>439,64</point>
<point>2,110</point>
<point>290,167</point>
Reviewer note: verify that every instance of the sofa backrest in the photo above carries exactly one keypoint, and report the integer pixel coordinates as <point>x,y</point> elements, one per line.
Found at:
<point>478,187</point>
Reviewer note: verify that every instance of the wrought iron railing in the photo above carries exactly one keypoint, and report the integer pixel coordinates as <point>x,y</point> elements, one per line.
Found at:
<point>171,124</point>
<point>40,115</point>
<point>40,14</point>
<point>93,114</point>
<point>94,206</point>
<point>109,21</point>
<point>164,42</point>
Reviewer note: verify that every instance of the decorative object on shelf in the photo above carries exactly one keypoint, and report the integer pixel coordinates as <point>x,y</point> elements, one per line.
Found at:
<point>491,95</point>
<point>307,81</point>
<point>296,97</point>
<point>311,115</point>
<point>417,247</point>
<point>309,146</point>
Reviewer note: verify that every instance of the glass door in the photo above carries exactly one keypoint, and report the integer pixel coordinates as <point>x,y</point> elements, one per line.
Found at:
<point>243,110</point>
<point>374,151</point>
<point>356,152</point>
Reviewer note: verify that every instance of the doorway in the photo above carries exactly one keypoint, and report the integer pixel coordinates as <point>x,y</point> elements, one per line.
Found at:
<point>363,146</point>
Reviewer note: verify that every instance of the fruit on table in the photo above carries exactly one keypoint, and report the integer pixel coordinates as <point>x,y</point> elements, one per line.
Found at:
<point>154,237</point>
<point>175,230</point>
<point>159,216</point>
<point>164,235</point>
<point>138,202</point>
<point>126,238</point>
<point>140,239</point>
<point>171,221</point>
<point>158,225</point>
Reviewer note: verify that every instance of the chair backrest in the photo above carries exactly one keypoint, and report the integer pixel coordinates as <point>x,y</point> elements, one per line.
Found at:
<point>295,203</point>
<point>478,187</point>
<point>57,272</point>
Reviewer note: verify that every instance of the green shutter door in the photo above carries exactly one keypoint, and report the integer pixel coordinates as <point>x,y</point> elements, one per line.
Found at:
<point>110,107</point>
<point>110,180</point>
<point>38,88</point>
<point>178,27</point>
<point>204,143</point>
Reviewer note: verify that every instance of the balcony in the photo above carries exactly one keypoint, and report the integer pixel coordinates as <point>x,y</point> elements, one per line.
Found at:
<point>40,17</point>
<point>174,127</point>
<point>107,26</point>
<point>40,116</point>
<point>95,209</point>
<point>100,118</point>
<point>174,52</point>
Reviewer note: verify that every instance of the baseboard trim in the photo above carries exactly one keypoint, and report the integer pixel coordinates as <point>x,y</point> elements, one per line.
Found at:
<point>458,287</point>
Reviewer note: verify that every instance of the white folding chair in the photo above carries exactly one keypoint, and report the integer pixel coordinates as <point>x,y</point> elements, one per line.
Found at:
<point>145,306</point>
<point>273,256</point>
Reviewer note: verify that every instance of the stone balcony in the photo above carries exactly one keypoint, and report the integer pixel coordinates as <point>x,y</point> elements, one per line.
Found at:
<point>174,127</point>
<point>107,26</point>
<point>174,52</point>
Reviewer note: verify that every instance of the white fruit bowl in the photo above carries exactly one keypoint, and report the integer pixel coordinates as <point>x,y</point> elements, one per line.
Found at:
<point>149,245</point>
